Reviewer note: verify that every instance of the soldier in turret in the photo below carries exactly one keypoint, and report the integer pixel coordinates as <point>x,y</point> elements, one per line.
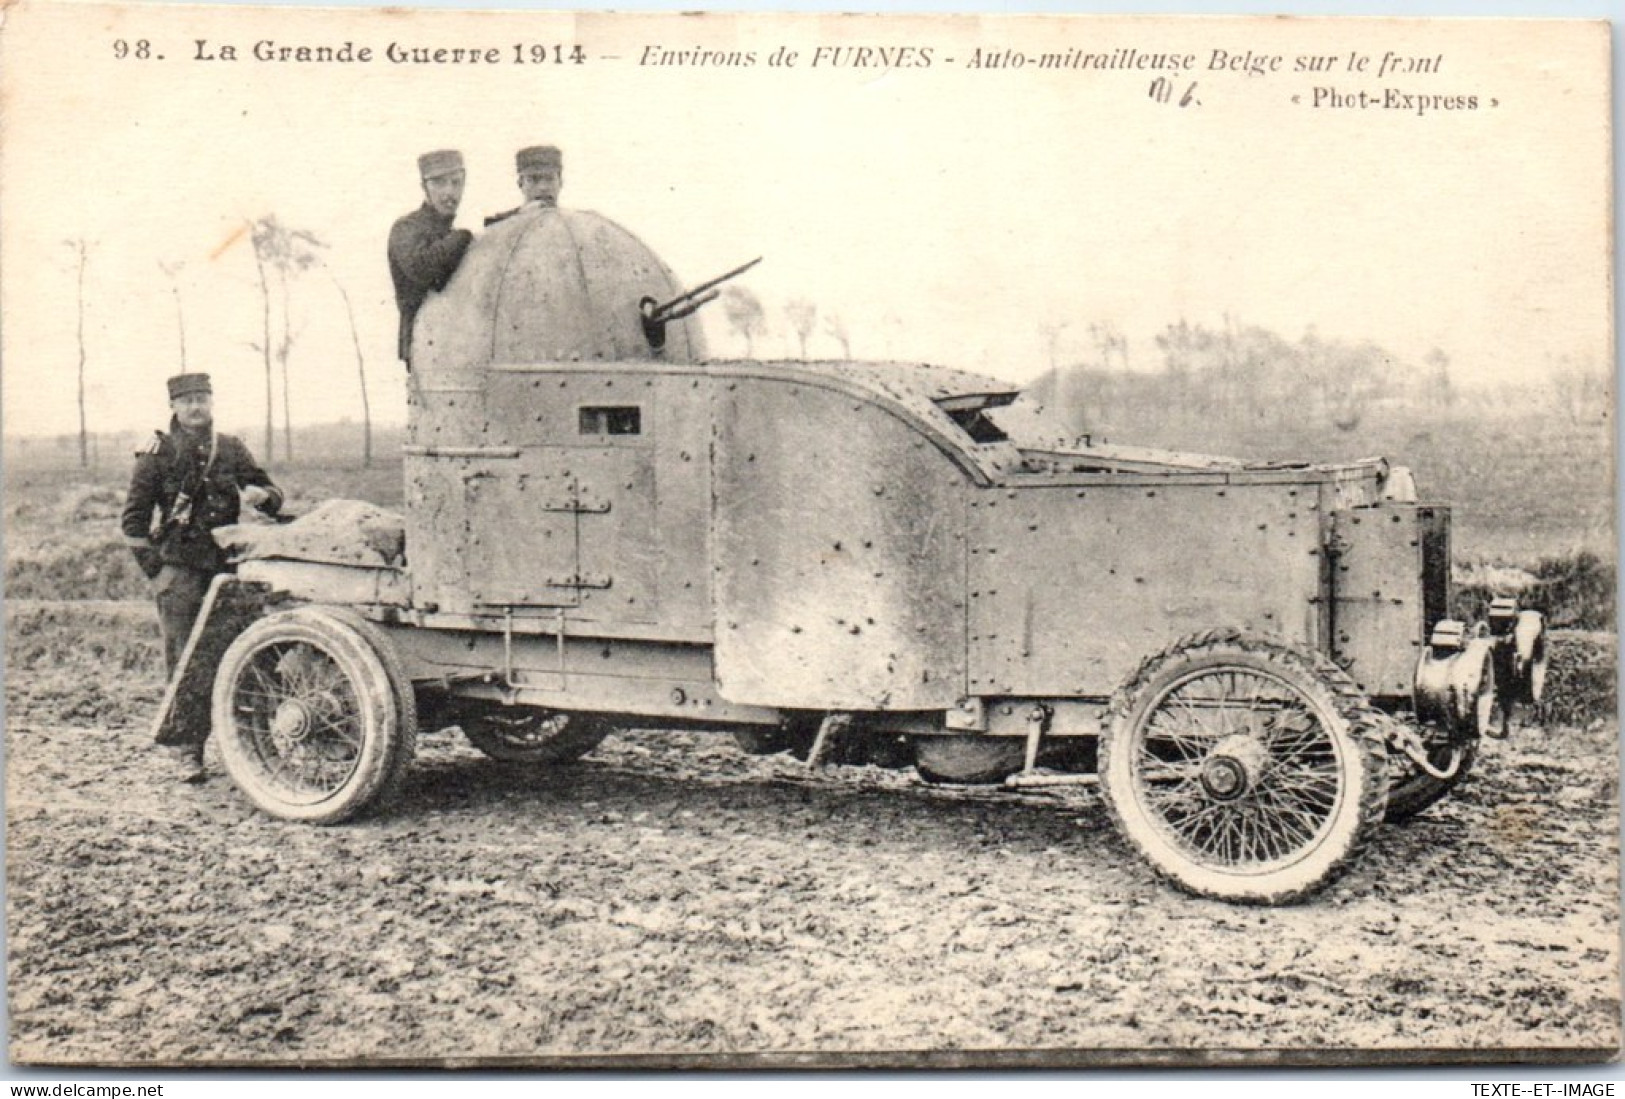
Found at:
<point>186,483</point>
<point>541,178</point>
<point>424,248</point>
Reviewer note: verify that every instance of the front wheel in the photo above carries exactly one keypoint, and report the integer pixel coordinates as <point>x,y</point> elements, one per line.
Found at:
<point>1244,768</point>
<point>315,719</point>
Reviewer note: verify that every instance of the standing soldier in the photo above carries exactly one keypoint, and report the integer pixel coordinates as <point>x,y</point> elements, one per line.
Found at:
<point>186,483</point>
<point>541,178</point>
<point>424,249</point>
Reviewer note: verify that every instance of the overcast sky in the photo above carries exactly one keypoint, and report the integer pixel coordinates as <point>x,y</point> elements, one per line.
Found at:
<point>945,213</point>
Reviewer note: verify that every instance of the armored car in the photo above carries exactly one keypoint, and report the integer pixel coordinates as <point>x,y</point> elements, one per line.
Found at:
<point>852,562</point>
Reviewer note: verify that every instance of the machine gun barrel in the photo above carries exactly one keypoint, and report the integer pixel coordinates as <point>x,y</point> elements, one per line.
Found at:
<point>690,300</point>
<point>656,314</point>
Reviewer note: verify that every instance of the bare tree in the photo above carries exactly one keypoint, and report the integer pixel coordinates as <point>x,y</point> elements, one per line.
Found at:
<point>1111,346</point>
<point>835,327</point>
<point>289,252</point>
<point>745,314</point>
<point>81,249</point>
<point>803,316</point>
<point>1050,332</point>
<point>1581,391</point>
<point>361,375</point>
<point>1065,386</point>
<point>1348,377</point>
<point>892,324</point>
<point>1439,384</point>
<point>264,346</point>
<point>172,270</point>
<point>1181,345</point>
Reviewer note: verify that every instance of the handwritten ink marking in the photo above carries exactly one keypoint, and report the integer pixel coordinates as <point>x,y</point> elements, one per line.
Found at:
<point>1162,90</point>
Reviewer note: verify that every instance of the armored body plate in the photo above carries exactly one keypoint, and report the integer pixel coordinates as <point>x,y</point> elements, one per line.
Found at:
<point>839,548</point>
<point>1390,582</point>
<point>1072,586</point>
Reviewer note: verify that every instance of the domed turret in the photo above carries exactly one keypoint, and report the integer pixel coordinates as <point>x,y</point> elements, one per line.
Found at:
<point>550,285</point>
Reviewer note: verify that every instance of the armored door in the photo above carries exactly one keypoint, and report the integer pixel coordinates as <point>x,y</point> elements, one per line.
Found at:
<point>618,547</point>
<point>520,543</point>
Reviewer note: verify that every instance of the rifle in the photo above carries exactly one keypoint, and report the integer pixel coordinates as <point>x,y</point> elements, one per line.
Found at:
<point>656,314</point>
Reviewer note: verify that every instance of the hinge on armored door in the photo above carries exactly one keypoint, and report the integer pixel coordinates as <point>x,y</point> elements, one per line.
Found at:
<point>577,504</point>
<point>597,580</point>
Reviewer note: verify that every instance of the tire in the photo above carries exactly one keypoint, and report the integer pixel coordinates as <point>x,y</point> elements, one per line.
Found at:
<point>533,736</point>
<point>314,716</point>
<point>794,734</point>
<point>1411,789</point>
<point>1260,799</point>
<point>967,759</point>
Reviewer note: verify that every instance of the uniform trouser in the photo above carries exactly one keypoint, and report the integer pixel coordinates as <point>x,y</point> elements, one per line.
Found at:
<point>180,597</point>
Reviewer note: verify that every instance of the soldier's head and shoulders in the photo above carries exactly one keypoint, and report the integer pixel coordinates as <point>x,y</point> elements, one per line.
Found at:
<point>191,424</point>
<point>540,170</point>
<point>442,176</point>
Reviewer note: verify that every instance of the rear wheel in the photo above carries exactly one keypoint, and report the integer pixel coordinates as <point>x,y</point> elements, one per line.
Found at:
<point>315,719</point>
<point>1244,768</point>
<point>524,734</point>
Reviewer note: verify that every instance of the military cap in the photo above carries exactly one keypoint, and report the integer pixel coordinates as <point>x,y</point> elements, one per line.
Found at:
<point>539,158</point>
<point>182,384</point>
<point>440,162</point>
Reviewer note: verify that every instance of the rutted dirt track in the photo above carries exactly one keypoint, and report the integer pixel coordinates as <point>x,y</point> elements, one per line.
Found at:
<point>670,897</point>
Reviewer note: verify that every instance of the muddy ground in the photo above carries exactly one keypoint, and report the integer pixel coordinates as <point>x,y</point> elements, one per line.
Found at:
<point>670,897</point>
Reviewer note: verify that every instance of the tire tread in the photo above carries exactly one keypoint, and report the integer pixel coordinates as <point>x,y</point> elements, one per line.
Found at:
<point>1363,719</point>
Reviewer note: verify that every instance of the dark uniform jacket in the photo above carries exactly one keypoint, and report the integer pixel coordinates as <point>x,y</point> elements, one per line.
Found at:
<point>424,251</point>
<point>190,496</point>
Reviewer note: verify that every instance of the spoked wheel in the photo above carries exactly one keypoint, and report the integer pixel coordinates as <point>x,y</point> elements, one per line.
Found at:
<point>314,716</point>
<point>524,734</point>
<point>1244,768</point>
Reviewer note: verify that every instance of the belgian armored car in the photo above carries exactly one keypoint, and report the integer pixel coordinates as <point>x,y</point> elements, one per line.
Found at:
<point>852,562</point>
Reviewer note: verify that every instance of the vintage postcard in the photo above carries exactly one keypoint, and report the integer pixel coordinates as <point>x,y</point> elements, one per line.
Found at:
<point>582,539</point>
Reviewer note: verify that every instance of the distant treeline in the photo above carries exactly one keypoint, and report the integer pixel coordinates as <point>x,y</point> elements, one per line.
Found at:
<point>1243,379</point>
<point>332,445</point>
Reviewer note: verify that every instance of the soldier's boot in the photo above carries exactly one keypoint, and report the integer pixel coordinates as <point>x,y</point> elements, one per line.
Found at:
<point>188,764</point>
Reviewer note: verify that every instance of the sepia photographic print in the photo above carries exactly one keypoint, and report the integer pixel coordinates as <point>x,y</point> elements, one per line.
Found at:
<point>785,541</point>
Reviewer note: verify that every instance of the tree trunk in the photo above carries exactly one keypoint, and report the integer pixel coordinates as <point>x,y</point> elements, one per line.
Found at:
<point>265,346</point>
<point>282,353</point>
<point>180,323</point>
<point>361,375</point>
<point>84,440</point>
